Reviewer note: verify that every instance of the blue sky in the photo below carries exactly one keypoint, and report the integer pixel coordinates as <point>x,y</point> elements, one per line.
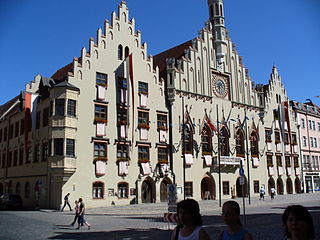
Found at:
<point>38,36</point>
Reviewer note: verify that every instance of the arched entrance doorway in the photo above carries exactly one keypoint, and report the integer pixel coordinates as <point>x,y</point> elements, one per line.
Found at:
<point>163,189</point>
<point>148,191</point>
<point>271,184</point>
<point>208,188</point>
<point>289,186</point>
<point>297,184</point>
<point>242,190</point>
<point>279,186</point>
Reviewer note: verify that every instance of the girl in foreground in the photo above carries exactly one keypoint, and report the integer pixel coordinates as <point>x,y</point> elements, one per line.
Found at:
<point>189,222</point>
<point>298,223</point>
<point>231,217</point>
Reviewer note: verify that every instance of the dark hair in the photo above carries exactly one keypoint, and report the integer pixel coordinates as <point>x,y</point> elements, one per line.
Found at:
<point>301,214</point>
<point>236,209</point>
<point>192,206</point>
<point>80,200</point>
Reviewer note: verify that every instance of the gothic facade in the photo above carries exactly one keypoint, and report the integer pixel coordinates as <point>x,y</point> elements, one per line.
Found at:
<point>116,125</point>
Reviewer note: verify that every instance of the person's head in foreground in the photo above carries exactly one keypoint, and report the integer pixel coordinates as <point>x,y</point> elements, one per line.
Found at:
<point>298,223</point>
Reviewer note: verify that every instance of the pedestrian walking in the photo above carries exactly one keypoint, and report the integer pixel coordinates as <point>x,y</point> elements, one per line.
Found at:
<point>66,202</point>
<point>76,216</point>
<point>298,223</point>
<point>81,219</point>
<point>272,192</point>
<point>231,217</point>
<point>262,193</point>
<point>189,222</point>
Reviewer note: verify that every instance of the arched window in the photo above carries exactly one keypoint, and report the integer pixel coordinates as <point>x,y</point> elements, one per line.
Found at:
<point>18,189</point>
<point>103,44</point>
<point>124,17</point>
<point>221,10</point>
<point>206,140</point>
<point>98,190</point>
<point>126,52</point>
<point>88,64</point>
<point>123,190</point>
<point>240,143</point>
<point>254,144</point>
<point>96,55</point>
<point>224,142</point>
<point>120,52</point>
<point>27,190</point>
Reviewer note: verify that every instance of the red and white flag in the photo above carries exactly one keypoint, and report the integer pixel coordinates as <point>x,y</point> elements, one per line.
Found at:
<point>211,125</point>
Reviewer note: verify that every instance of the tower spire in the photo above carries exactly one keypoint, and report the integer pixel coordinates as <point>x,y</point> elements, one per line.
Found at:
<point>216,13</point>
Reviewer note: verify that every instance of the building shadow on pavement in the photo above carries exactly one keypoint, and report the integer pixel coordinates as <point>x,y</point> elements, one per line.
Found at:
<point>129,234</point>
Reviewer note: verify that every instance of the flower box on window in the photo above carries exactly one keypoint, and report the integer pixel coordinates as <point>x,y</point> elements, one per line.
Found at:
<point>270,164</point>
<point>143,92</point>
<point>277,141</point>
<point>105,85</point>
<point>122,122</point>
<point>143,125</point>
<point>162,128</point>
<point>240,155</point>
<point>255,155</point>
<point>206,153</point>
<point>122,159</point>
<point>100,120</point>
<point>100,159</point>
<point>188,152</point>
<point>165,161</point>
<point>144,160</point>
<point>296,165</point>
<point>268,140</point>
<point>294,143</point>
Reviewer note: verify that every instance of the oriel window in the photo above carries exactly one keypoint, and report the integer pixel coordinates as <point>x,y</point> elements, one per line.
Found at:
<point>59,107</point>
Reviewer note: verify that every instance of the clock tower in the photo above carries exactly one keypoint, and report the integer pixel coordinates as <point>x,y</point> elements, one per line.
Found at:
<point>216,13</point>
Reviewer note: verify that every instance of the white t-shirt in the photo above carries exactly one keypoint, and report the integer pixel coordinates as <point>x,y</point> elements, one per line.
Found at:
<point>195,235</point>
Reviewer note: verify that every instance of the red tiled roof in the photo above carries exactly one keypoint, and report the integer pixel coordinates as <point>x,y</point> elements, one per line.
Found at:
<point>175,52</point>
<point>62,73</point>
<point>5,107</point>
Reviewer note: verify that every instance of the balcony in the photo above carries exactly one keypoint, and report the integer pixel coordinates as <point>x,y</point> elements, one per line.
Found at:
<point>228,161</point>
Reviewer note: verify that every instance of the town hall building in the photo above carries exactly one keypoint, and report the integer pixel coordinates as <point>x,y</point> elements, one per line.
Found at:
<point>117,125</point>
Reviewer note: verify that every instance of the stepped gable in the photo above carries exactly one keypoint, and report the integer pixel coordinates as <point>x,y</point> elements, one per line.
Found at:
<point>5,107</point>
<point>175,52</point>
<point>62,73</point>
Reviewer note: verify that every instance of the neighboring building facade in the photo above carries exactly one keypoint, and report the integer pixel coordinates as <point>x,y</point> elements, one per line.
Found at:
<point>116,126</point>
<point>308,117</point>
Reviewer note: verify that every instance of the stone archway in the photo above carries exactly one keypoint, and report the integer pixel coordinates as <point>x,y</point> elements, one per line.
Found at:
<point>279,186</point>
<point>242,190</point>
<point>148,191</point>
<point>289,186</point>
<point>271,184</point>
<point>297,184</point>
<point>163,189</point>
<point>208,188</point>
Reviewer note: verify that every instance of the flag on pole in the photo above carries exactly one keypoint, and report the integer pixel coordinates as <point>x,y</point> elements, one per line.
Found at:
<point>27,118</point>
<point>211,125</point>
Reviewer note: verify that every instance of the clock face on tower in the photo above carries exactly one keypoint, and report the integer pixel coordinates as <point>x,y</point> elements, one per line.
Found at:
<point>220,86</point>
